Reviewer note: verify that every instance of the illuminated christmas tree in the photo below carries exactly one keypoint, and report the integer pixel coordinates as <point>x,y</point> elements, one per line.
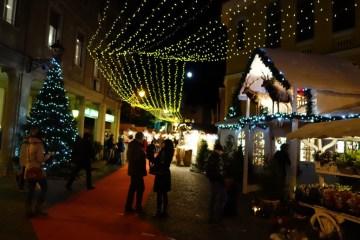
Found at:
<point>51,114</point>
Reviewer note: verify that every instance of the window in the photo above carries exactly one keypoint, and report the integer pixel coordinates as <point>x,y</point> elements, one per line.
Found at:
<point>240,36</point>
<point>343,14</point>
<point>259,149</point>
<point>9,11</point>
<point>273,25</point>
<point>96,70</point>
<point>241,140</point>
<point>304,20</point>
<point>79,44</point>
<point>306,151</point>
<point>54,28</point>
<point>278,142</point>
<point>301,99</point>
<point>96,83</point>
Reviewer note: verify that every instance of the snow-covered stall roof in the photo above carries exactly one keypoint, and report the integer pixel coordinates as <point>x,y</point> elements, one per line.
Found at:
<point>335,80</point>
<point>334,129</point>
<point>320,72</point>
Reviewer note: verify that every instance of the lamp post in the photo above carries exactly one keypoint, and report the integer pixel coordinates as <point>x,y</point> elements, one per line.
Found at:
<point>57,51</point>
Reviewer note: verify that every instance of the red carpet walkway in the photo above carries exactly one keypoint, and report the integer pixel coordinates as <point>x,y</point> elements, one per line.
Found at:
<point>97,214</point>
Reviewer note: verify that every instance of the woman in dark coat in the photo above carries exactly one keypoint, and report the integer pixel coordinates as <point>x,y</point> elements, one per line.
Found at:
<point>162,183</point>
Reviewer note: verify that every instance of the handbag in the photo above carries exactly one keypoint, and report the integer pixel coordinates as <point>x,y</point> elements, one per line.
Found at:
<point>153,170</point>
<point>34,173</point>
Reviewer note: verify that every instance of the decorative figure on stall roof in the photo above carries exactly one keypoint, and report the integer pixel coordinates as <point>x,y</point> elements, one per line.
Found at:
<point>251,94</point>
<point>276,91</point>
<point>255,97</point>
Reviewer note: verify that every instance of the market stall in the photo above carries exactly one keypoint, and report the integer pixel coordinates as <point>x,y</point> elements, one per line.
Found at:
<point>340,157</point>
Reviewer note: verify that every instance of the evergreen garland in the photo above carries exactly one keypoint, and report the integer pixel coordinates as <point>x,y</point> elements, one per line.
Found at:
<point>51,114</point>
<point>309,101</point>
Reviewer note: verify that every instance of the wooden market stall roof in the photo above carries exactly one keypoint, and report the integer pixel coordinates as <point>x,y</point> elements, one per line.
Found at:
<point>334,129</point>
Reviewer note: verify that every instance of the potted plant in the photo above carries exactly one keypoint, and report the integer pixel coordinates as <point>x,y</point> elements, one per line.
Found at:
<point>357,166</point>
<point>344,164</point>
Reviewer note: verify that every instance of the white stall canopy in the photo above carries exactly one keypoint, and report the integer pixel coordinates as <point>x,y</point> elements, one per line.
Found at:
<point>336,82</point>
<point>334,129</point>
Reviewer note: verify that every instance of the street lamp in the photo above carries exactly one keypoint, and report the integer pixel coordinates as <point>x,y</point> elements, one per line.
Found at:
<point>141,93</point>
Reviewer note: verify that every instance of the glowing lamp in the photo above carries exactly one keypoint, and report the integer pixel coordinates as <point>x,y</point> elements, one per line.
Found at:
<point>109,118</point>
<point>142,93</point>
<point>75,113</point>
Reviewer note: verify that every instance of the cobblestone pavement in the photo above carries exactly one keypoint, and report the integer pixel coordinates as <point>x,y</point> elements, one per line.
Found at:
<point>188,206</point>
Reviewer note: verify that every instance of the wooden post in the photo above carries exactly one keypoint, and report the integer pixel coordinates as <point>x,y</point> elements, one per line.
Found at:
<point>247,148</point>
<point>294,149</point>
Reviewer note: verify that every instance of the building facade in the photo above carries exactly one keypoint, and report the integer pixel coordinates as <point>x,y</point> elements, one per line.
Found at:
<point>27,30</point>
<point>308,26</point>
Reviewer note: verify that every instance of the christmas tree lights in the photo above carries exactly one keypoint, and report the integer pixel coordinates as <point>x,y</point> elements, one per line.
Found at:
<point>51,114</point>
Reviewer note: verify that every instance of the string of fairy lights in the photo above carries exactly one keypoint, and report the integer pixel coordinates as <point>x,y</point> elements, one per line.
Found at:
<point>136,52</point>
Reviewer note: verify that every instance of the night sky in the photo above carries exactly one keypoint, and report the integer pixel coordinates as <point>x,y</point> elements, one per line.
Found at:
<point>202,88</point>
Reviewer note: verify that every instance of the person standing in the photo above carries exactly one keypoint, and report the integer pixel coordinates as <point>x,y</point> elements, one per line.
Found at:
<point>150,153</point>
<point>32,156</point>
<point>233,172</point>
<point>82,155</point>
<point>120,147</point>
<point>109,149</point>
<point>215,173</point>
<point>162,182</point>
<point>136,170</point>
<point>281,160</point>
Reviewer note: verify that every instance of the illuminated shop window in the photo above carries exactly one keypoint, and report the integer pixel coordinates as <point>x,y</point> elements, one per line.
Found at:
<point>259,149</point>
<point>307,152</point>
<point>241,140</point>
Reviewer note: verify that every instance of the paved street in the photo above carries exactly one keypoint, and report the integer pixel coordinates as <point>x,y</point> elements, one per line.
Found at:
<point>188,211</point>
<point>188,203</point>
<point>99,213</point>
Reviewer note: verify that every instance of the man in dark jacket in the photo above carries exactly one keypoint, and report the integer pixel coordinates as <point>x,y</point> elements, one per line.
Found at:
<point>281,161</point>
<point>215,173</point>
<point>82,155</point>
<point>136,170</point>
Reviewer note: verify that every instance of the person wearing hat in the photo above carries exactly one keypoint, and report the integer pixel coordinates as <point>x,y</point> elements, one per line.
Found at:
<point>214,169</point>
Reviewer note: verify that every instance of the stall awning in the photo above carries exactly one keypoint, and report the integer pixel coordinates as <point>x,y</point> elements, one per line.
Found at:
<point>334,129</point>
<point>334,81</point>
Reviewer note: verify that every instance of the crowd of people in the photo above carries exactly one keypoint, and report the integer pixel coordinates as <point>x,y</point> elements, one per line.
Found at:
<point>224,182</point>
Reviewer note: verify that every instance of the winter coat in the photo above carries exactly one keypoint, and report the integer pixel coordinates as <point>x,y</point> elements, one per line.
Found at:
<point>162,181</point>
<point>137,159</point>
<point>214,168</point>
<point>150,152</point>
<point>32,153</point>
<point>83,152</point>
